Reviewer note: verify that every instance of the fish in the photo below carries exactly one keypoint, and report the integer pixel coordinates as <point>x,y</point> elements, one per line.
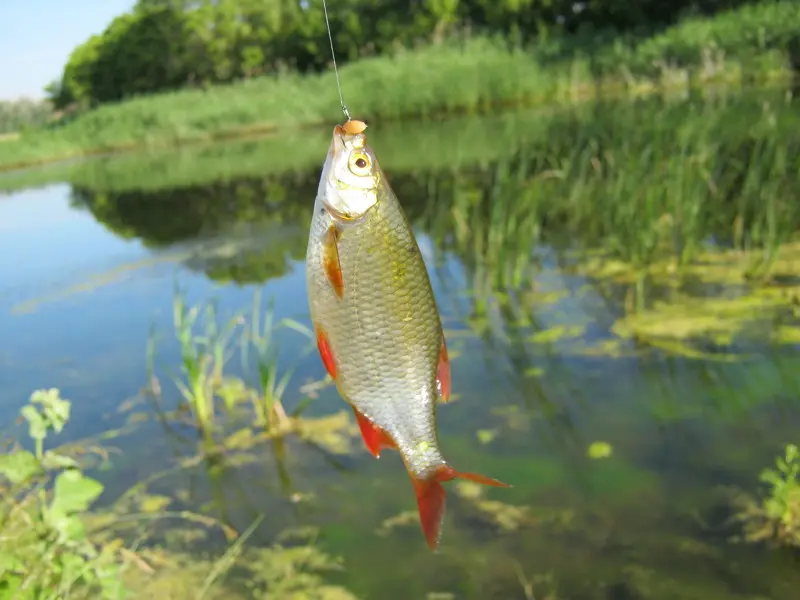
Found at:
<point>377,325</point>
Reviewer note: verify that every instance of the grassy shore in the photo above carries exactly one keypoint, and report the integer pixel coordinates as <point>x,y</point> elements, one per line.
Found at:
<point>714,119</point>
<point>745,46</point>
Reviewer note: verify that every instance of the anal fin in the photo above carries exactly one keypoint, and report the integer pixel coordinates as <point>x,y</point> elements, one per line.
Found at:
<point>443,373</point>
<point>325,352</point>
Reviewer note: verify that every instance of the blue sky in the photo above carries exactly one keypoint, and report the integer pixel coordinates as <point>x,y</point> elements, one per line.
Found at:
<point>37,36</point>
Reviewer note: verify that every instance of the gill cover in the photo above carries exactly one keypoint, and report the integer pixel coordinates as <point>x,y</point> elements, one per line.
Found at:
<point>351,175</point>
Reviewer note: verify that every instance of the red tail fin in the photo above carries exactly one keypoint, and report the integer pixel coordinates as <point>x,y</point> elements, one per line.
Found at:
<point>431,499</point>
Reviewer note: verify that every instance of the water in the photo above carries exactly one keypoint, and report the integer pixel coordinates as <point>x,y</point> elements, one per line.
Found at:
<point>509,213</point>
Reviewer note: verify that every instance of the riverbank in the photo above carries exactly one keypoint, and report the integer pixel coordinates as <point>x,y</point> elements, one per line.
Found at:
<point>721,118</point>
<point>743,47</point>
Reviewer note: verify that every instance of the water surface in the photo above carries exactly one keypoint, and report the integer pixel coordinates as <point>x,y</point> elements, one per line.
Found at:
<point>553,240</point>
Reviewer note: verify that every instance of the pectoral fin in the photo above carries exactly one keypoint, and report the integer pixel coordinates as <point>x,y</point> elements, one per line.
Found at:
<point>330,260</point>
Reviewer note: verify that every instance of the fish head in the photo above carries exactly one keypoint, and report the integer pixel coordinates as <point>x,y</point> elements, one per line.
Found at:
<point>351,175</point>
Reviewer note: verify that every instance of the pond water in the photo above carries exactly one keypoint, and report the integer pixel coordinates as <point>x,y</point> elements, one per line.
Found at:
<point>619,285</point>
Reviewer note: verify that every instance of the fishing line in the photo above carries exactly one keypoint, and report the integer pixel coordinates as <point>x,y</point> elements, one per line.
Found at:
<point>335,68</point>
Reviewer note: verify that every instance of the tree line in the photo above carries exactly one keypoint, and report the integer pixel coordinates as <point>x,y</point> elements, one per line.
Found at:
<point>168,44</point>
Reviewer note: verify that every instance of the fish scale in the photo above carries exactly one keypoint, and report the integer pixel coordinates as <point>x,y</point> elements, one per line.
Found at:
<point>378,328</point>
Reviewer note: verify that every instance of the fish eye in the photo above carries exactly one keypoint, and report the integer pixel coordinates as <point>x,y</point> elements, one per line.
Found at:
<point>359,164</point>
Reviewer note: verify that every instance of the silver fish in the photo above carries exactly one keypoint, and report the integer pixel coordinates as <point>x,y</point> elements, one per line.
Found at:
<point>378,328</point>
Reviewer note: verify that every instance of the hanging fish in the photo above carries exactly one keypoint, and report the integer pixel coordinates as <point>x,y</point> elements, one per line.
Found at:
<point>377,324</point>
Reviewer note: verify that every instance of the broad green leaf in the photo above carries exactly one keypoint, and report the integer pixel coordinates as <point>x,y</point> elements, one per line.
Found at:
<point>771,477</point>
<point>73,492</point>
<point>10,562</point>
<point>73,566</point>
<point>37,426</point>
<point>9,586</point>
<point>56,410</point>
<point>111,582</point>
<point>19,466</point>
<point>69,527</point>
<point>51,460</point>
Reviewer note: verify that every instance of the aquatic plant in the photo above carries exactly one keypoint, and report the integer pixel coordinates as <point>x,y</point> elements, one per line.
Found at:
<point>775,518</point>
<point>215,398</point>
<point>53,546</point>
<point>202,360</point>
<point>44,548</point>
<point>674,311</point>
<point>267,403</point>
<point>293,567</point>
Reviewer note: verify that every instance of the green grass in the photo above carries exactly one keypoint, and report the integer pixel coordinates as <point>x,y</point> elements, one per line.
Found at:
<point>55,543</point>
<point>545,134</point>
<point>750,44</point>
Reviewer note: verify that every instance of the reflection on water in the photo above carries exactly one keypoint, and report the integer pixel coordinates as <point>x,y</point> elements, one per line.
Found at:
<point>620,288</point>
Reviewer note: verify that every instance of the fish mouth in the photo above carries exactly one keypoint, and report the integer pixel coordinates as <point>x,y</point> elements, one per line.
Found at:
<point>337,142</point>
<point>344,139</point>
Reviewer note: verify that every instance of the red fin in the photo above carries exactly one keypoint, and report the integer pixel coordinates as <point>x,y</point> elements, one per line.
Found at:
<point>375,438</point>
<point>431,499</point>
<point>443,373</point>
<point>431,504</point>
<point>330,260</point>
<point>325,353</point>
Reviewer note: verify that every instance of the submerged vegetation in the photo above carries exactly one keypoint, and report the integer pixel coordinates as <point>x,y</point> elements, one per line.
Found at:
<point>456,75</point>
<point>776,518</point>
<point>215,399</point>
<point>53,545</point>
<point>115,549</point>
